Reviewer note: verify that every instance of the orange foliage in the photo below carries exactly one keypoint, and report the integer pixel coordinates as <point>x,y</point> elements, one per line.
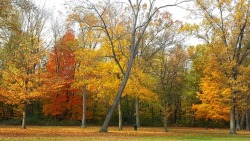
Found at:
<point>63,102</point>
<point>215,93</point>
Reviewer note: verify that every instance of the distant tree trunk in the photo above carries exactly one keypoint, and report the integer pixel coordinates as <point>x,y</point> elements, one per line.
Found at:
<point>232,116</point>
<point>179,110</point>
<point>247,120</point>
<point>127,109</point>
<point>175,111</point>
<point>165,117</point>
<point>24,117</point>
<point>193,119</point>
<point>84,107</point>
<point>242,120</point>
<point>152,114</point>
<point>3,111</point>
<point>131,112</point>
<point>120,114</point>
<point>137,112</point>
<point>237,120</point>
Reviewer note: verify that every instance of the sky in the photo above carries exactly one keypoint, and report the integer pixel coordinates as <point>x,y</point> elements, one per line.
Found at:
<point>58,9</point>
<point>58,5</point>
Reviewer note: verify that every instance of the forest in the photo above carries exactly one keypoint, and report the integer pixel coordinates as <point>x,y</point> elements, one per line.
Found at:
<point>124,63</point>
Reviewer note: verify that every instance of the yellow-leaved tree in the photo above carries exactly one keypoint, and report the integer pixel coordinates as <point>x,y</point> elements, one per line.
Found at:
<point>23,56</point>
<point>214,93</point>
<point>225,29</point>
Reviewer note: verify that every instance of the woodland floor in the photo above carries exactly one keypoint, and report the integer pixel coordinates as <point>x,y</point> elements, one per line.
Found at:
<point>48,133</point>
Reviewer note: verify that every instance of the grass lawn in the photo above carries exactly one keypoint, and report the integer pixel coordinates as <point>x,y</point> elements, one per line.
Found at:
<point>48,133</point>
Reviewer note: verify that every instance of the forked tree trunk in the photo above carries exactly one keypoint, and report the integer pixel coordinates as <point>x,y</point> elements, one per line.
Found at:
<point>120,114</point>
<point>104,127</point>
<point>84,107</point>
<point>24,117</point>
<point>137,112</point>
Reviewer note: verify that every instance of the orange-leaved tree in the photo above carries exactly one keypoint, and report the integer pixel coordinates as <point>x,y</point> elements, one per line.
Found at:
<point>22,56</point>
<point>62,101</point>
<point>214,93</point>
<point>225,28</point>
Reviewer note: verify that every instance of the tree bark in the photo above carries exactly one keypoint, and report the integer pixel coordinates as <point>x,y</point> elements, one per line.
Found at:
<point>237,120</point>
<point>24,117</point>
<point>152,115</point>
<point>84,107</point>
<point>165,117</point>
<point>232,118</point>
<point>120,114</point>
<point>104,127</point>
<point>247,120</point>
<point>242,120</point>
<point>137,112</point>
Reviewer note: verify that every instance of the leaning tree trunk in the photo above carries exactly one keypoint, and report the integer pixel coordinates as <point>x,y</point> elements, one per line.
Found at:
<point>24,117</point>
<point>120,114</point>
<point>137,112</point>
<point>84,107</point>
<point>104,127</point>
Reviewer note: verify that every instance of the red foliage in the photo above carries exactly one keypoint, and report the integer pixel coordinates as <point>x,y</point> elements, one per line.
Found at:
<point>61,65</point>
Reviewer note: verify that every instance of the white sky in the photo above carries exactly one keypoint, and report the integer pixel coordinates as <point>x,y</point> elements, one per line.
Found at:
<point>57,7</point>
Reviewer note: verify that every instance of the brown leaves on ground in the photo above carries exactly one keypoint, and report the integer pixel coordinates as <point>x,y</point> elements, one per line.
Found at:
<point>91,133</point>
<point>51,131</point>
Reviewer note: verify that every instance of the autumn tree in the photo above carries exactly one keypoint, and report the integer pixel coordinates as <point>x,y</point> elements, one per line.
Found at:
<point>22,72</point>
<point>61,67</point>
<point>108,15</point>
<point>88,58</point>
<point>224,28</point>
<point>169,68</point>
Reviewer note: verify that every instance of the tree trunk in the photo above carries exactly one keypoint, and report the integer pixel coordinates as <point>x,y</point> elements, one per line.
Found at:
<point>152,115</point>
<point>237,120</point>
<point>104,127</point>
<point>242,120</point>
<point>137,112</point>
<point>131,112</point>
<point>120,114</point>
<point>84,107</point>
<point>247,120</point>
<point>24,117</point>
<point>165,117</point>
<point>175,111</point>
<point>127,109</point>
<point>232,117</point>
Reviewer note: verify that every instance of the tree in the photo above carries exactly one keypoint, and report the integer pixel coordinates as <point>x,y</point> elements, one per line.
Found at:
<point>86,74</point>
<point>214,94</point>
<point>22,73</point>
<point>169,68</point>
<point>107,15</point>
<point>61,67</point>
<point>225,25</point>
<point>87,59</point>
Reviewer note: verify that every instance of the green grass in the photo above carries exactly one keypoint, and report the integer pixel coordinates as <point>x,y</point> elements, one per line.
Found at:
<point>59,133</point>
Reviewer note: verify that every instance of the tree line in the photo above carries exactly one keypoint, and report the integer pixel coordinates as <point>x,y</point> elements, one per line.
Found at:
<point>125,63</point>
